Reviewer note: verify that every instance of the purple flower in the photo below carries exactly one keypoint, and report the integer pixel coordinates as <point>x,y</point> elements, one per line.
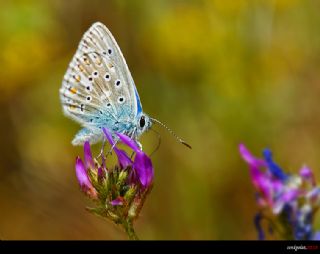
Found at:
<point>294,197</point>
<point>121,190</point>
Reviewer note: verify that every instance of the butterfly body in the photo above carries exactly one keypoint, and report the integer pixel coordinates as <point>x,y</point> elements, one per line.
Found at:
<point>98,90</point>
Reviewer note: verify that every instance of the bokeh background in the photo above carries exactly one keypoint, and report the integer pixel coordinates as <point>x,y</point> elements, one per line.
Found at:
<point>217,72</point>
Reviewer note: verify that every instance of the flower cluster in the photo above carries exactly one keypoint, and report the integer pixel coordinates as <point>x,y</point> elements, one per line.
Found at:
<point>120,191</point>
<point>288,202</point>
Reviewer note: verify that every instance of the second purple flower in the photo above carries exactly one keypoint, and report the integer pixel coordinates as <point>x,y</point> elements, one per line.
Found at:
<point>288,201</point>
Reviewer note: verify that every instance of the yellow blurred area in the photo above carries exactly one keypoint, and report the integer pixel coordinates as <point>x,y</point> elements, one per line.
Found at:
<point>217,72</point>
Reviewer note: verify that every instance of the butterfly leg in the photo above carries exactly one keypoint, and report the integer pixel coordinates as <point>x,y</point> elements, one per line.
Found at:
<point>112,147</point>
<point>102,150</point>
<point>139,144</point>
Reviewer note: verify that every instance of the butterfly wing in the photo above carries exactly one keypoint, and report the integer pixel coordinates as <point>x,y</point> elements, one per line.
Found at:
<point>98,89</point>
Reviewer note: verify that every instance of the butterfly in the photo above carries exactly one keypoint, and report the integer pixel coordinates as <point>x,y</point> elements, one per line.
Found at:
<point>98,90</point>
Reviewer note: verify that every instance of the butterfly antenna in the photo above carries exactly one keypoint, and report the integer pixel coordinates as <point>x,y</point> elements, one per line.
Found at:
<point>159,142</point>
<point>171,132</point>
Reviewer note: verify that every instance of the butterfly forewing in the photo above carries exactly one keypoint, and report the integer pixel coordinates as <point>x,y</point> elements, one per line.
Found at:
<point>98,90</point>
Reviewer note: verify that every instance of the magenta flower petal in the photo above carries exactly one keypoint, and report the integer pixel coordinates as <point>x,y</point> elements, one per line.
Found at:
<point>290,195</point>
<point>108,136</point>
<point>249,158</point>
<point>143,166</point>
<point>129,142</point>
<point>252,161</point>
<point>277,185</point>
<point>123,158</point>
<point>83,179</point>
<point>81,174</point>
<point>88,161</point>
<point>117,201</point>
<point>308,175</point>
<point>264,185</point>
<point>259,179</point>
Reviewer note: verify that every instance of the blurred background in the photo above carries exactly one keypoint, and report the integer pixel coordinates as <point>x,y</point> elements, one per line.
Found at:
<point>217,72</point>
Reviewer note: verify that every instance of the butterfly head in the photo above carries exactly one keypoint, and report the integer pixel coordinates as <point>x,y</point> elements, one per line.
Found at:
<point>143,124</point>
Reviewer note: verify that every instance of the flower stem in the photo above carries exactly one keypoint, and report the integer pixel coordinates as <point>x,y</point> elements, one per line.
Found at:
<point>128,227</point>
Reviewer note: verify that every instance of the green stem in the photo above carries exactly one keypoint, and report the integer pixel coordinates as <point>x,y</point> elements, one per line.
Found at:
<point>128,227</point>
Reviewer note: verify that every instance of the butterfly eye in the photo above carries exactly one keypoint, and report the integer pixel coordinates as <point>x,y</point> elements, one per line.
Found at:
<point>109,51</point>
<point>142,121</point>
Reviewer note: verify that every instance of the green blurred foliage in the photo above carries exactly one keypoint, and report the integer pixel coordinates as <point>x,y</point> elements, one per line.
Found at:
<point>217,72</point>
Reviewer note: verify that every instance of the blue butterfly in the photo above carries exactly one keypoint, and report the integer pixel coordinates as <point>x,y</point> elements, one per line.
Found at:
<point>98,90</point>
